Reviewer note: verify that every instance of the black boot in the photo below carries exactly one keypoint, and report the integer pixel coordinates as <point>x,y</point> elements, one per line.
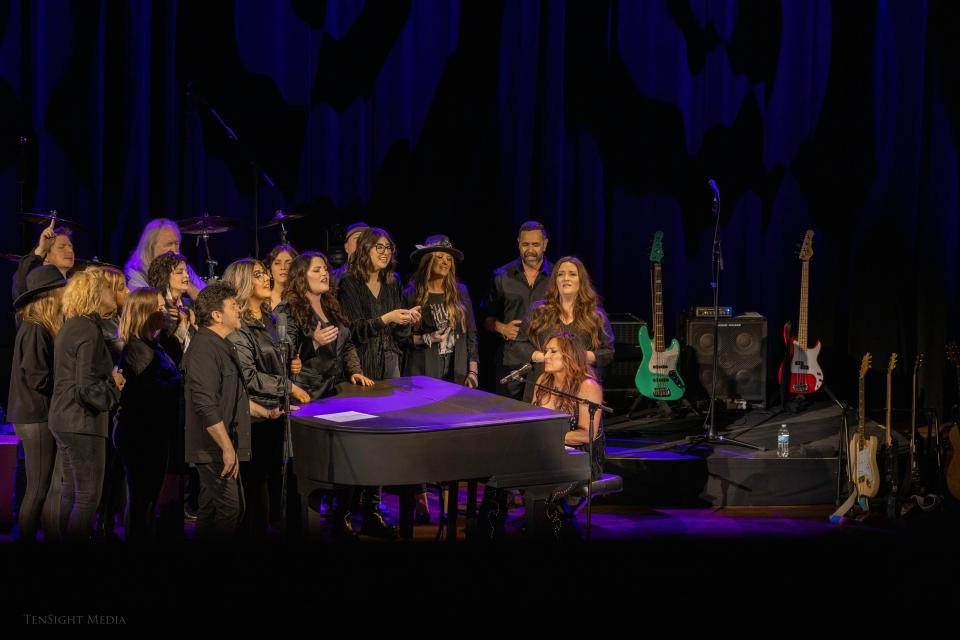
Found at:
<point>373,523</point>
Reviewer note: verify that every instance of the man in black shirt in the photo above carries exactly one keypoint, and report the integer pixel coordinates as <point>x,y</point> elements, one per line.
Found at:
<point>515,285</point>
<point>217,412</point>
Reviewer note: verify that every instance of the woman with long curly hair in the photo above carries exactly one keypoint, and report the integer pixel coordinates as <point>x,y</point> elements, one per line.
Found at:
<point>169,274</point>
<point>39,318</point>
<point>278,261</point>
<point>566,369</point>
<point>573,306</point>
<point>444,342</point>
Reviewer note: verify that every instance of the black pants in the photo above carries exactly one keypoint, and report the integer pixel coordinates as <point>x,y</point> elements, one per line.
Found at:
<point>264,468</point>
<point>145,461</point>
<point>84,458</point>
<point>40,453</point>
<point>221,503</point>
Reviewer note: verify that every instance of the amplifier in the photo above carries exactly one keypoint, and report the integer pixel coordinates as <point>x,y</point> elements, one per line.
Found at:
<point>742,357</point>
<point>707,312</point>
<point>626,352</point>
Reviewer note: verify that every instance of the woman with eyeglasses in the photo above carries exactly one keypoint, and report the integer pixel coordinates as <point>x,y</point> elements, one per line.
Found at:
<point>258,350</point>
<point>371,298</point>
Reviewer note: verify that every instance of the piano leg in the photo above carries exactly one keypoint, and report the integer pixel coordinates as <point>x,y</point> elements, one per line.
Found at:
<point>535,507</point>
<point>471,526</point>
<point>453,495</point>
<point>407,501</point>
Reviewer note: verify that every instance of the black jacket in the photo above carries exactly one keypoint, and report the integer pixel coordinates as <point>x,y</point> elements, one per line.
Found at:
<point>324,367</point>
<point>214,392</point>
<point>84,391</point>
<point>425,361</point>
<point>151,405</point>
<point>109,327</point>
<point>259,354</point>
<point>372,337</point>
<point>31,374</point>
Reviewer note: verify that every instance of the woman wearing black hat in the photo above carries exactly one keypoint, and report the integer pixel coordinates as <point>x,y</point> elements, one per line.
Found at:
<point>31,385</point>
<point>444,342</point>
<point>86,388</point>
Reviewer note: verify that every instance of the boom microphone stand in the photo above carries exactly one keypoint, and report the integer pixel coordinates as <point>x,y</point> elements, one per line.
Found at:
<point>287,440</point>
<point>592,407</point>
<point>710,426</point>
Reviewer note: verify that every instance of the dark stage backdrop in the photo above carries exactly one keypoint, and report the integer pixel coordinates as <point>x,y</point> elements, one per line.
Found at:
<point>602,119</point>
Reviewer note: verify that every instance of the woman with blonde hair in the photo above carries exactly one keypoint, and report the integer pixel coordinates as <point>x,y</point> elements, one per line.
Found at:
<point>258,352</point>
<point>151,409</point>
<point>31,385</point>
<point>86,388</point>
<point>571,305</point>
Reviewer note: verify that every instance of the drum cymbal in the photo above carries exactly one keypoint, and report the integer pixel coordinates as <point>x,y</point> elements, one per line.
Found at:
<point>45,218</point>
<point>281,217</point>
<point>207,224</point>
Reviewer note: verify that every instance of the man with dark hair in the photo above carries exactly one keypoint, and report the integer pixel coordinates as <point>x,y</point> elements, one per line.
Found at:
<point>349,245</point>
<point>54,247</point>
<point>217,412</point>
<point>514,286</point>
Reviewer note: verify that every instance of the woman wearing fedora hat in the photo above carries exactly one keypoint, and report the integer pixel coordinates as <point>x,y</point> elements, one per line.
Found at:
<point>31,385</point>
<point>444,343</point>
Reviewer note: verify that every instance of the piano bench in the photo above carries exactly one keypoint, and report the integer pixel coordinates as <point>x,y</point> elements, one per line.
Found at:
<point>606,484</point>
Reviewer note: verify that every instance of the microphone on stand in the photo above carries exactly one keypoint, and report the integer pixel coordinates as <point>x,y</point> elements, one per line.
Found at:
<point>516,374</point>
<point>282,327</point>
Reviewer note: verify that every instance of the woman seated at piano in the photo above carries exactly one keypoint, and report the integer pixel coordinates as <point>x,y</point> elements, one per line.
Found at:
<point>571,305</point>
<point>566,369</point>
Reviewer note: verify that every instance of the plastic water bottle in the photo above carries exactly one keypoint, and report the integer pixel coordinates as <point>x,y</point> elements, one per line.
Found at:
<point>783,442</point>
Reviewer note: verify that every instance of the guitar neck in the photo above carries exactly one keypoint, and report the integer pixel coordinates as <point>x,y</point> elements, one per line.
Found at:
<point>804,300</point>
<point>889,437</point>
<point>659,343</point>
<point>862,412</point>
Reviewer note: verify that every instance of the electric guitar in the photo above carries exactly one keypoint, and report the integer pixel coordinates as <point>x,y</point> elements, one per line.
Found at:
<point>658,378</point>
<point>805,373</point>
<point>890,449</point>
<point>951,466</point>
<point>863,449</point>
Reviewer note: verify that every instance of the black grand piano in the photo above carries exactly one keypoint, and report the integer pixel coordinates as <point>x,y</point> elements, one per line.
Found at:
<point>408,431</point>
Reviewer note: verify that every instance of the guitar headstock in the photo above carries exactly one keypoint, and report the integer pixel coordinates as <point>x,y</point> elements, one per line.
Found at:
<point>953,353</point>
<point>656,252</point>
<point>918,363</point>
<point>806,249</point>
<point>865,365</point>
<point>892,364</point>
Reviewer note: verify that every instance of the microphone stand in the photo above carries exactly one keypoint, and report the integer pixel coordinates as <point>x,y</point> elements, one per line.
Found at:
<point>287,439</point>
<point>592,407</point>
<point>710,426</point>
<point>258,173</point>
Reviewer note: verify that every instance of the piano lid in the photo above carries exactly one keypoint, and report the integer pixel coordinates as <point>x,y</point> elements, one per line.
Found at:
<point>415,404</point>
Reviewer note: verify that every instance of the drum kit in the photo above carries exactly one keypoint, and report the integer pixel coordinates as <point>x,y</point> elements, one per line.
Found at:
<point>202,226</point>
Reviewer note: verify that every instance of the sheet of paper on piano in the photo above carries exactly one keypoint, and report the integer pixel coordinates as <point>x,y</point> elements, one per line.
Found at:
<point>344,416</point>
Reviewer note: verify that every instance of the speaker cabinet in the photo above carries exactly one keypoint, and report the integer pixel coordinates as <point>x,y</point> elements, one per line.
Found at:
<point>743,357</point>
<point>620,374</point>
